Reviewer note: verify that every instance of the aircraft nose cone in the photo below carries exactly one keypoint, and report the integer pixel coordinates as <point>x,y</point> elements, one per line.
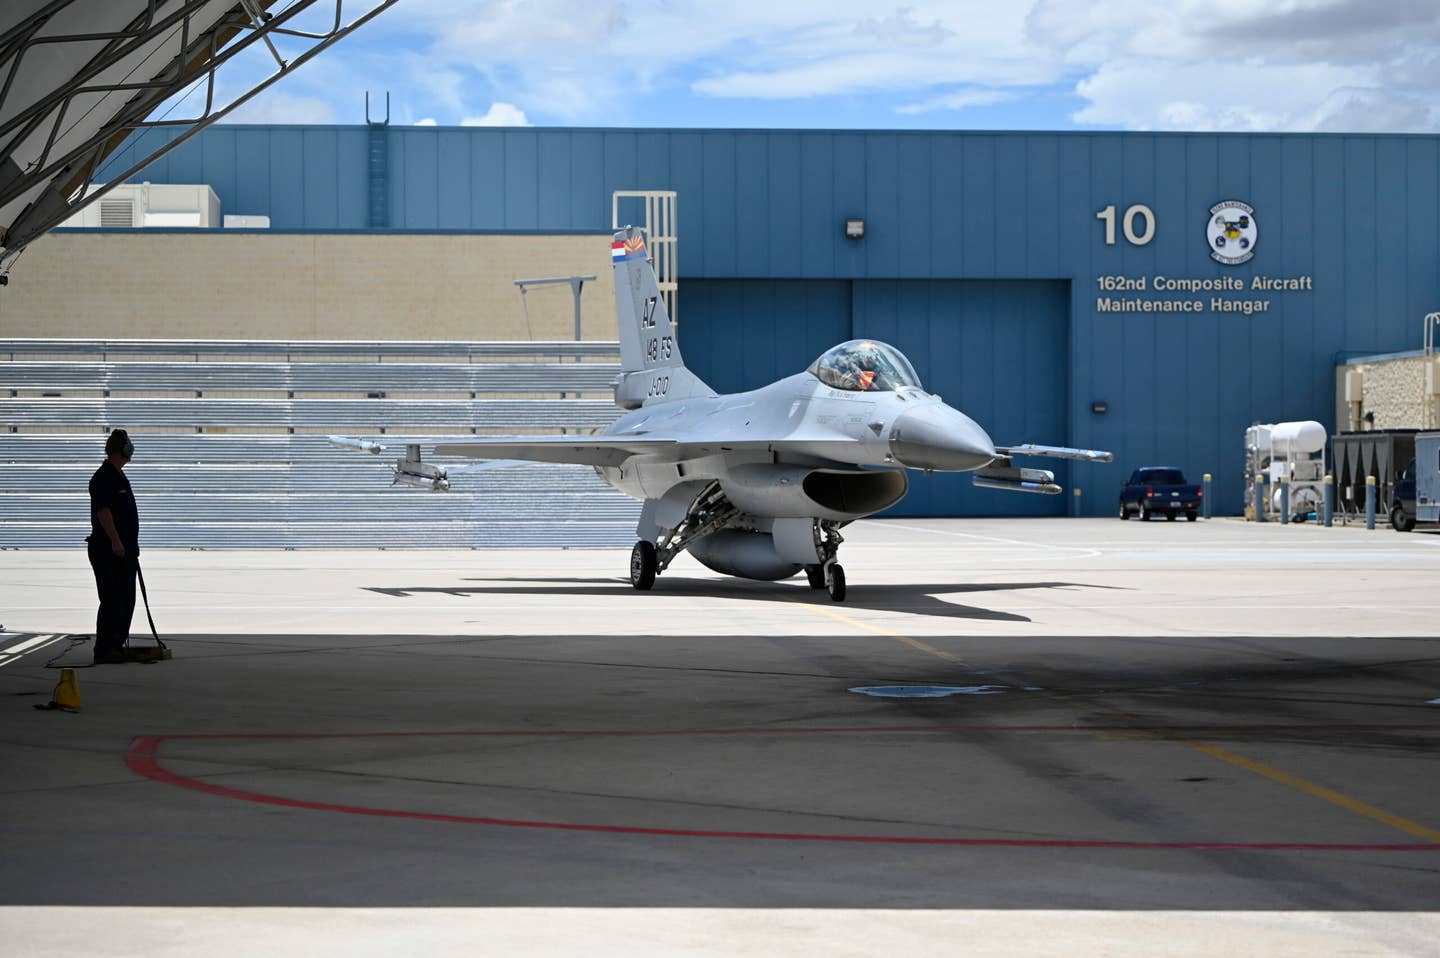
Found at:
<point>938,437</point>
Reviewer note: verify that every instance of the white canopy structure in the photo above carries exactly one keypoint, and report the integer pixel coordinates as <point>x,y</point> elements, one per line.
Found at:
<point>78,77</point>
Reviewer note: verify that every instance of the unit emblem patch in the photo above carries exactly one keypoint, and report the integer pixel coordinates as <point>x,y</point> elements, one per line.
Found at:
<point>1232,232</point>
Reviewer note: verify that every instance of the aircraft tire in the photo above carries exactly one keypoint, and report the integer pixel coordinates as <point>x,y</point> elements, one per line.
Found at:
<point>815,574</point>
<point>836,585</point>
<point>642,565</point>
<point>1124,512</point>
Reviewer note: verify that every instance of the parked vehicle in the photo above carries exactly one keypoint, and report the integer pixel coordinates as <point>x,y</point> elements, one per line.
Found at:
<point>1159,490</point>
<point>1402,514</point>
<point>1417,493</point>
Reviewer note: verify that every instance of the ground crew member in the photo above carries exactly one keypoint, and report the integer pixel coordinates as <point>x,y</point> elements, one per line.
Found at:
<point>114,545</point>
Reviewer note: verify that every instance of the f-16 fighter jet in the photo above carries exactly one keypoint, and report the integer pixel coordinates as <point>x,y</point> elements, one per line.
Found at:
<point>757,484</point>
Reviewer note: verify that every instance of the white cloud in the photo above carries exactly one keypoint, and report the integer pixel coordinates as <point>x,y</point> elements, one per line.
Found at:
<point>1296,65</point>
<point>499,114</point>
<point>960,100</point>
<point>427,121</point>
<point>277,106</point>
<point>568,58</point>
<point>842,49</point>
<point>1155,94</point>
<point>1135,64</point>
<point>1373,111</point>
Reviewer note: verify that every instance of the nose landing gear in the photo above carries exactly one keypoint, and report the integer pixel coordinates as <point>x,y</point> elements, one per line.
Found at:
<point>828,575</point>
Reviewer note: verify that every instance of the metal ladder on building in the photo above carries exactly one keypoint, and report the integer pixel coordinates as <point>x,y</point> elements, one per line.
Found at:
<point>379,165</point>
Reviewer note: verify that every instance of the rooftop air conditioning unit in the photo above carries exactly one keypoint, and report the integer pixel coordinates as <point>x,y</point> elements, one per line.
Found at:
<point>175,205</point>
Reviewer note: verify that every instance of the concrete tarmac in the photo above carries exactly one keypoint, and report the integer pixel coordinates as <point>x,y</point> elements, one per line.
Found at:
<point>1158,737</point>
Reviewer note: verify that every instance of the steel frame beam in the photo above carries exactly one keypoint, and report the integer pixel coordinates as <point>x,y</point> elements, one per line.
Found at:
<point>204,48</point>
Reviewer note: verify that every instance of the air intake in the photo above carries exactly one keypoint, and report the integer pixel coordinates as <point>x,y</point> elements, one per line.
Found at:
<point>117,214</point>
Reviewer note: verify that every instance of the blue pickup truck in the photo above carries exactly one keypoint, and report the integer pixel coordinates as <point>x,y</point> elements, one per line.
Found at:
<point>1159,490</point>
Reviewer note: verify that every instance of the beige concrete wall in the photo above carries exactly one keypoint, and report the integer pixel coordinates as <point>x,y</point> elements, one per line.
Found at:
<point>1394,392</point>
<point>214,285</point>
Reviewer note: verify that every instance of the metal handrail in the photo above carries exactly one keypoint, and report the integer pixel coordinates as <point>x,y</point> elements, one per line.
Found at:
<point>300,350</point>
<point>144,376</point>
<point>341,414</point>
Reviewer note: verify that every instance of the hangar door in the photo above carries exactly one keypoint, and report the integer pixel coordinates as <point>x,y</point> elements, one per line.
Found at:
<point>996,349</point>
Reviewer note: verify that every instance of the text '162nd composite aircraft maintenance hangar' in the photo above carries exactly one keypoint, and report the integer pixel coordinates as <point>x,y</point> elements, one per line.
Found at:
<point>394,718</point>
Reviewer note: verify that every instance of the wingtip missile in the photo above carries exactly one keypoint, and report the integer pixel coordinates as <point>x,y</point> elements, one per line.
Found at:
<point>1040,481</point>
<point>1042,488</point>
<point>1057,452</point>
<point>364,445</point>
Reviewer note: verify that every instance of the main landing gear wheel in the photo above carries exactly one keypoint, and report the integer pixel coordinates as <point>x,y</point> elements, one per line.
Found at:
<point>642,565</point>
<point>835,583</point>
<point>816,575</point>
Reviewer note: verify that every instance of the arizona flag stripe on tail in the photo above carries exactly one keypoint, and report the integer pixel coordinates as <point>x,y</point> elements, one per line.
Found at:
<point>632,248</point>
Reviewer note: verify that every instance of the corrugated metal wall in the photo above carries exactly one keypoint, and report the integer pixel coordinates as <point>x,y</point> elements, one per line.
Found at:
<point>1358,213</point>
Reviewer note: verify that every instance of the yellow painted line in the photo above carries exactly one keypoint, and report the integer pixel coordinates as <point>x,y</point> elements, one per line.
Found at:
<point>1319,791</point>
<point>1214,751</point>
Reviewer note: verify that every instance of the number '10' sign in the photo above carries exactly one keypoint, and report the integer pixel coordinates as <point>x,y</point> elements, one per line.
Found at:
<point>1139,213</point>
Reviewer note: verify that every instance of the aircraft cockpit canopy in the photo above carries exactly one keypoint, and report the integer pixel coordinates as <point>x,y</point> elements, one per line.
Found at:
<point>865,365</point>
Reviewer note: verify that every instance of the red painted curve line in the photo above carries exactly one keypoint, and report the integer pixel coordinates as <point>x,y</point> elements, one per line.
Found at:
<point>142,757</point>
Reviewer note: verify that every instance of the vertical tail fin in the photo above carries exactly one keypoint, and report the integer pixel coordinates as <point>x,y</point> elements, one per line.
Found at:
<point>652,370</point>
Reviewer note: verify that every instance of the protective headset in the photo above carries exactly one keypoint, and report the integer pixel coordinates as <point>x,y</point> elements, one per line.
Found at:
<point>119,441</point>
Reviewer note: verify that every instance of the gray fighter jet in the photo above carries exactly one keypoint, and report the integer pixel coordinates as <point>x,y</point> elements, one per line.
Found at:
<point>755,484</point>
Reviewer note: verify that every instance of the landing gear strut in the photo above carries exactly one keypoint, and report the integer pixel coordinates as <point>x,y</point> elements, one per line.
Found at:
<point>831,575</point>
<point>709,511</point>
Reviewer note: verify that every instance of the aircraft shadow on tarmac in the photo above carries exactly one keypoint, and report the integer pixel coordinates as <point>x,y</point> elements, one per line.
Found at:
<point>914,598</point>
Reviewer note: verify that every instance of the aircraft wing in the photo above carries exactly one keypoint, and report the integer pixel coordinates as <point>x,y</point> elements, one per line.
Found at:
<point>581,450</point>
<point>605,450</point>
<point>1056,452</point>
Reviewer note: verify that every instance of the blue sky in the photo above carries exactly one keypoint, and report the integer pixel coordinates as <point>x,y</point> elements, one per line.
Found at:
<point>1242,65</point>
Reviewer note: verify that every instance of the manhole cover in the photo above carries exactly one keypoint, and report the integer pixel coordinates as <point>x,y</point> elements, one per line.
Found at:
<point>927,691</point>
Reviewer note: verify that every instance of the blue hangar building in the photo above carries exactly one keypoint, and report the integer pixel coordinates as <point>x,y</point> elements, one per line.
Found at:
<point>1152,294</point>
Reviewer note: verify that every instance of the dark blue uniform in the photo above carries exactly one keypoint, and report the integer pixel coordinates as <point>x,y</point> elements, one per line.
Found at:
<point>114,576</point>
